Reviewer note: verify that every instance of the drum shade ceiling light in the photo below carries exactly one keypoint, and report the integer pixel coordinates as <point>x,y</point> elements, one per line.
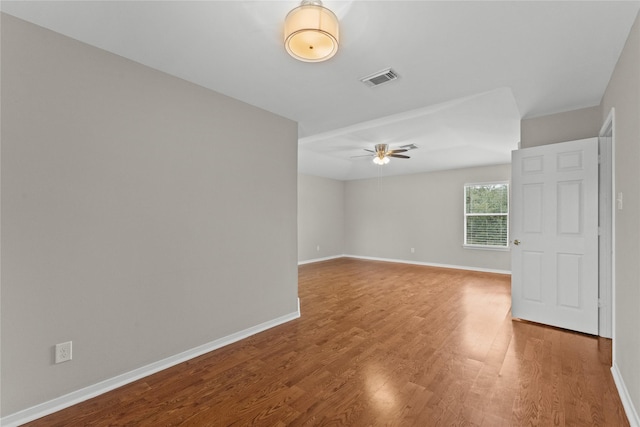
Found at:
<point>311,32</point>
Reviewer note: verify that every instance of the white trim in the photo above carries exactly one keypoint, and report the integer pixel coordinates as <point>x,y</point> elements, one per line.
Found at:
<point>311,261</point>
<point>487,247</point>
<point>404,261</point>
<point>627,403</point>
<point>610,122</point>
<point>607,212</point>
<point>94,390</point>
<point>431,264</point>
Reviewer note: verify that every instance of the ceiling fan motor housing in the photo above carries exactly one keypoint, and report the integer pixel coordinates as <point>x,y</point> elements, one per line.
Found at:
<point>381,149</point>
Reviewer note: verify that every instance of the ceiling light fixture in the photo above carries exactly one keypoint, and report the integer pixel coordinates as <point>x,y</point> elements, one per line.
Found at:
<point>311,32</point>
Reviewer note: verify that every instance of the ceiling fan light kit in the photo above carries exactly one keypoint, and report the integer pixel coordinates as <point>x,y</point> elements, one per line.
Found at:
<point>381,160</point>
<point>311,32</point>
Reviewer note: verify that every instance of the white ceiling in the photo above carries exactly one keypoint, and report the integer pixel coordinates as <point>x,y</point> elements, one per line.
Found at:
<point>468,70</point>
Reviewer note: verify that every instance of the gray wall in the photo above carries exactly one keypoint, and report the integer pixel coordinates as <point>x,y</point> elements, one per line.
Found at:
<point>320,217</point>
<point>623,94</point>
<point>387,217</point>
<point>139,217</point>
<point>561,127</point>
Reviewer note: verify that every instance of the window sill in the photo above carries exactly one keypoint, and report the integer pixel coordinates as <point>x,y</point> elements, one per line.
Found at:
<point>487,248</point>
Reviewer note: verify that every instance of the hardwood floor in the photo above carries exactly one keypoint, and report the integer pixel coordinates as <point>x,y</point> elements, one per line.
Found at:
<point>380,344</point>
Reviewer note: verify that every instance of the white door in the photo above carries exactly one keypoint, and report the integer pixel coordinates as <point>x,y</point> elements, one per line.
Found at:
<point>554,227</point>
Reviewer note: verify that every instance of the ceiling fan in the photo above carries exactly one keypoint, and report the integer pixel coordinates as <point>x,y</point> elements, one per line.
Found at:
<point>382,153</point>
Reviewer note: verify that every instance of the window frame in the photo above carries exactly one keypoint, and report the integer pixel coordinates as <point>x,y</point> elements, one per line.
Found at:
<point>506,247</point>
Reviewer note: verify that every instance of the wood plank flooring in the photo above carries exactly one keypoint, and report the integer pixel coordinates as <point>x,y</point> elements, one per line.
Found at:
<point>380,344</point>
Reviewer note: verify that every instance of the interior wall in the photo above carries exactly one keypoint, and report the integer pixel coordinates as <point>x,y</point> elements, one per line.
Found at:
<point>139,217</point>
<point>386,217</point>
<point>320,217</point>
<point>623,94</point>
<point>561,127</point>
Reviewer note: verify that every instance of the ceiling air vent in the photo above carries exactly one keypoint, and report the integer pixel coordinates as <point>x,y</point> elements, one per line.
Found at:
<point>376,79</point>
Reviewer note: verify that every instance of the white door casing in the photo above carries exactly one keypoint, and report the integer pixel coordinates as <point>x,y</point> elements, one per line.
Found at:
<point>554,227</point>
<point>605,237</point>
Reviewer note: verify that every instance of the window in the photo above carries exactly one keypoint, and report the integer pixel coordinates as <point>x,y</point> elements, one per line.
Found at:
<point>486,215</point>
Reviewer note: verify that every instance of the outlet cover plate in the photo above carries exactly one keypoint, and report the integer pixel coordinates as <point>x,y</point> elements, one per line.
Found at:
<point>63,352</point>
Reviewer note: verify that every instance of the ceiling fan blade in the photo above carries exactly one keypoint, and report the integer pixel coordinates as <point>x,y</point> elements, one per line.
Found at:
<point>399,156</point>
<point>402,150</point>
<point>371,151</point>
<point>364,155</point>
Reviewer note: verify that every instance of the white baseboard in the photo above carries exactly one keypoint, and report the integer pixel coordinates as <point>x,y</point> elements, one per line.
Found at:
<point>627,403</point>
<point>311,261</point>
<point>431,264</point>
<point>102,387</point>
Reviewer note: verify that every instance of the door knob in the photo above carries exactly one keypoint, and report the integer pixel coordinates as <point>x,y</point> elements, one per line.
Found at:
<point>516,242</point>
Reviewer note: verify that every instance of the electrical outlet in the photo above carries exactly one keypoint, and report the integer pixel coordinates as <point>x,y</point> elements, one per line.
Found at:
<point>63,352</point>
<point>413,250</point>
<point>318,248</point>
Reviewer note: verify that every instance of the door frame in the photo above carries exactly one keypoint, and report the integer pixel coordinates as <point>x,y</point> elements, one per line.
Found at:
<point>606,243</point>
